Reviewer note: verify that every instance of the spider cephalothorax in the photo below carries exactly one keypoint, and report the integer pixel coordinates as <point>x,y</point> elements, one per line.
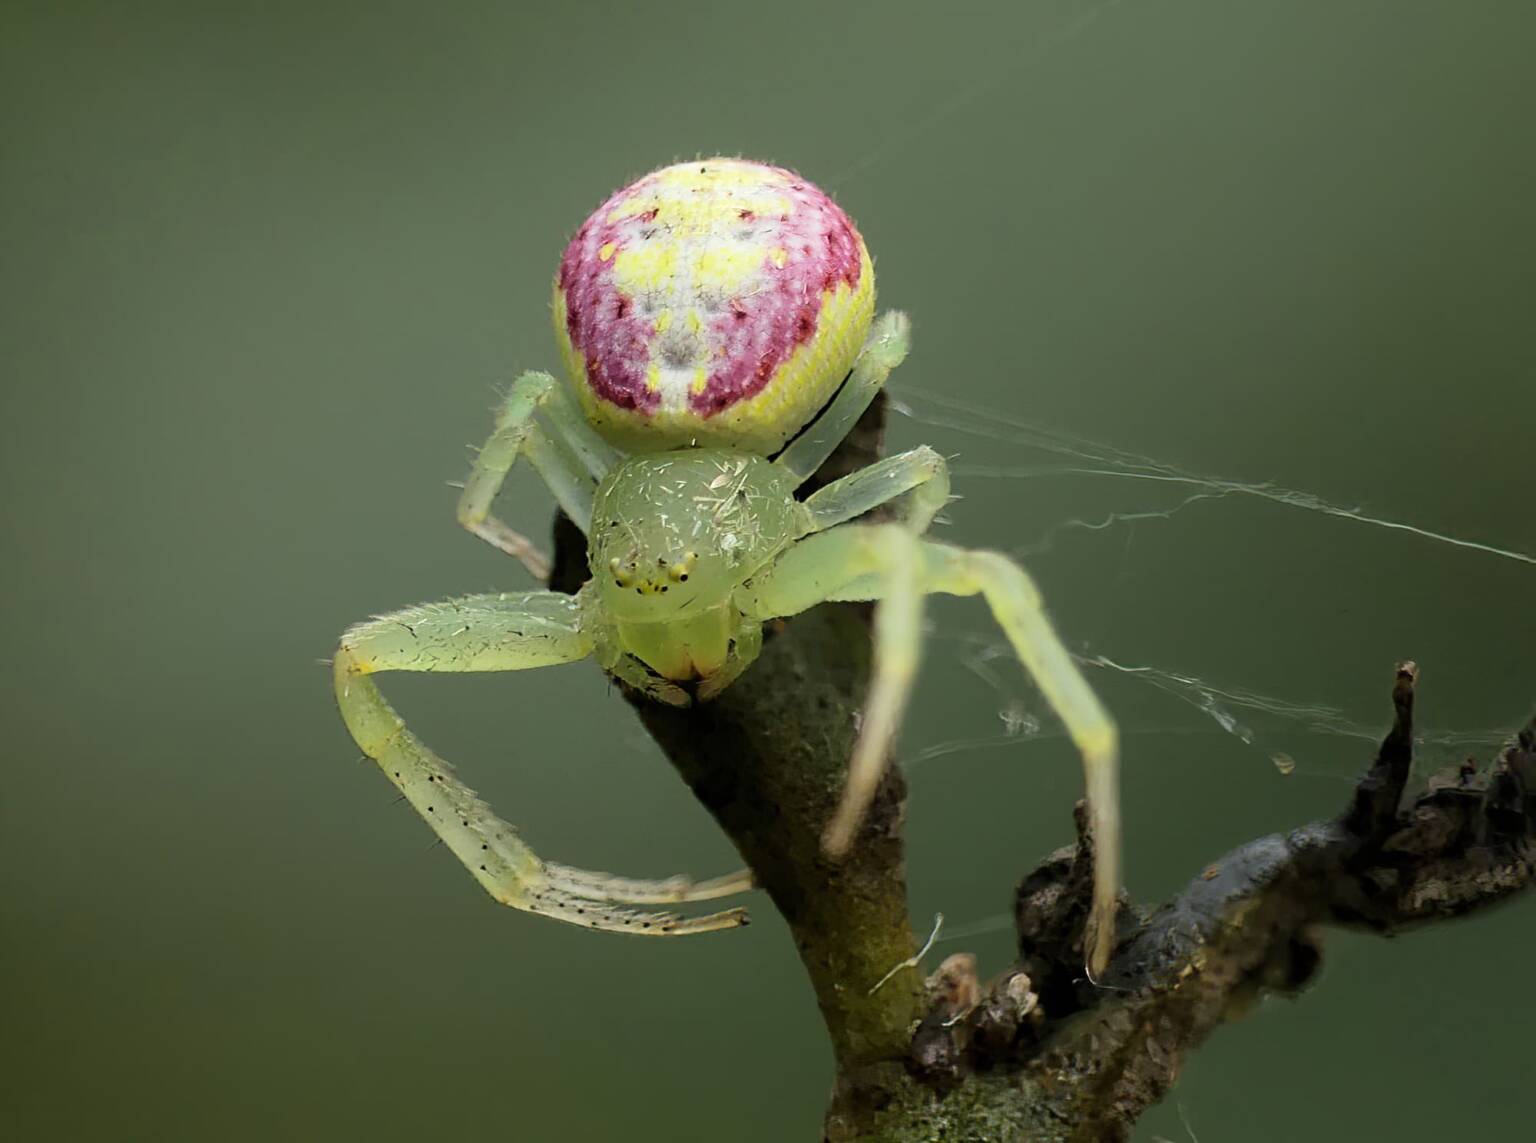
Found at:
<point>712,315</point>
<point>688,525</point>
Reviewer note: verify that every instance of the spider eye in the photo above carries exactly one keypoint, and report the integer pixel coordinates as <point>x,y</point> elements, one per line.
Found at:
<point>678,572</point>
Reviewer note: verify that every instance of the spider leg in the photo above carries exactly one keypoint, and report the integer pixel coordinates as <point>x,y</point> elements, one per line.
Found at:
<point>883,562</point>
<point>850,562</point>
<point>884,349</point>
<point>633,673</point>
<point>571,427</point>
<point>499,632</point>
<point>1017,606</point>
<point>569,456</point>
<point>921,472</point>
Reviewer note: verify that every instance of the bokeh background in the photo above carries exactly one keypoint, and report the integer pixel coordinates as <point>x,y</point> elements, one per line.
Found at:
<point>264,267</point>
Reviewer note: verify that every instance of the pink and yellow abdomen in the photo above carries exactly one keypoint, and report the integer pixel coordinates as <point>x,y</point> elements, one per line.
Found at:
<point>718,303</point>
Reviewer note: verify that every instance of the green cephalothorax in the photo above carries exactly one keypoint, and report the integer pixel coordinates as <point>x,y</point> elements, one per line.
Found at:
<point>679,531</point>
<point>673,536</point>
<point>693,549</point>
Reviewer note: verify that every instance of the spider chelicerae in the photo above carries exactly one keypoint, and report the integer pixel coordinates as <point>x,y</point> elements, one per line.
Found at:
<point>717,324</point>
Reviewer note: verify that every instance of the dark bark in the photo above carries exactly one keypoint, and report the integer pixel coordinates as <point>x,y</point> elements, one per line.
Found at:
<point>1095,1057</point>
<point>1040,1052</point>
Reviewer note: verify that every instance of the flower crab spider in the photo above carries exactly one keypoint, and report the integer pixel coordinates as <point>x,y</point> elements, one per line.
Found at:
<point>716,320</point>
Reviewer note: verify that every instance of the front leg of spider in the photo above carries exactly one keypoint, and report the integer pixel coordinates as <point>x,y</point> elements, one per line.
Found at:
<point>503,632</point>
<point>496,633</point>
<point>888,563</point>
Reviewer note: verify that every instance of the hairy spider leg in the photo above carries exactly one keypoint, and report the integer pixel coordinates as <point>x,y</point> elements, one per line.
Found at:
<point>884,349</point>
<point>898,620</point>
<point>572,428</point>
<point>630,671</point>
<point>922,472</point>
<point>853,562</point>
<point>569,456</point>
<point>499,632</point>
<point>881,562</point>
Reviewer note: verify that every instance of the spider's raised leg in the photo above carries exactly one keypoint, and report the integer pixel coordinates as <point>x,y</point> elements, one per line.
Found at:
<point>1017,606</point>
<point>884,349</point>
<point>852,562</point>
<point>883,562</point>
<point>922,472</point>
<point>503,632</point>
<point>569,456</point>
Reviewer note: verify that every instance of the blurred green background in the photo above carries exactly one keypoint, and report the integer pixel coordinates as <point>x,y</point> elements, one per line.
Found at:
<point>263,268</point>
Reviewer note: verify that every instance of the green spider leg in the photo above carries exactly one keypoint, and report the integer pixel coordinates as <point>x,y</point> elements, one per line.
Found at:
<point>922,472</point>
<point>500,632</point>
<point>887,562</point>
<point>884,349</point>
<point>569,456</point>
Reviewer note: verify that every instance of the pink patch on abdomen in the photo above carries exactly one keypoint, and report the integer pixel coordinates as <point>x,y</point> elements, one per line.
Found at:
<point>603,324</point>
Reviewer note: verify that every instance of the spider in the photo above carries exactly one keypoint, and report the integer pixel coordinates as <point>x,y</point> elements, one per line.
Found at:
<point>716,319</point>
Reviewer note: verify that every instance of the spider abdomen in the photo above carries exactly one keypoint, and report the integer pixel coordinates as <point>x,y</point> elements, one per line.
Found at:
<point>715,303</point>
